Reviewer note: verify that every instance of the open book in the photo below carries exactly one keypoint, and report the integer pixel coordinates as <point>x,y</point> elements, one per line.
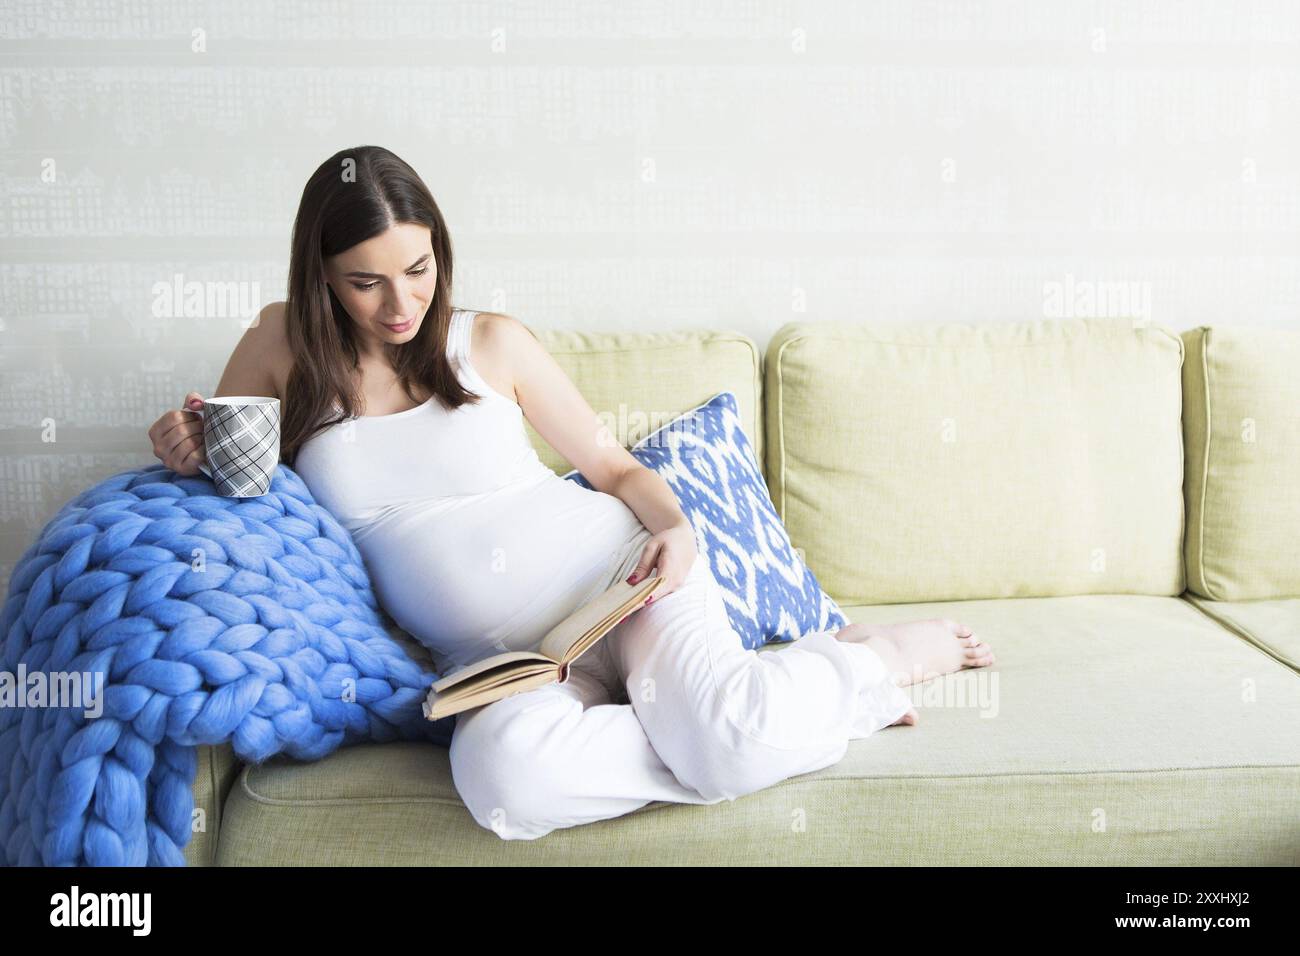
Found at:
<point>514,672</point>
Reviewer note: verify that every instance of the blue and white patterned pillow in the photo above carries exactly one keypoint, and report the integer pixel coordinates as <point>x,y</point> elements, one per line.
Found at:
<point>706,458</point>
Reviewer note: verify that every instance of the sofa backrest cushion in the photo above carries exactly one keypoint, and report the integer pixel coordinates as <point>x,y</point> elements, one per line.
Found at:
<point>637,382</point>
<point>935,462</point>
<point>1242,431</point>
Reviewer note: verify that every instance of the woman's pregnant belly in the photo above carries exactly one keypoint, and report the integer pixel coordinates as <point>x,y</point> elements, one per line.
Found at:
<point>476,575</point>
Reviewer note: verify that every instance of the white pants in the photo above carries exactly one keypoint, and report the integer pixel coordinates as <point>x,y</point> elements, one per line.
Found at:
<point>668,706</point>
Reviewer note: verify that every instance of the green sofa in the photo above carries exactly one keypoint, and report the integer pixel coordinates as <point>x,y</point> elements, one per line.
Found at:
<point>1115,507</point>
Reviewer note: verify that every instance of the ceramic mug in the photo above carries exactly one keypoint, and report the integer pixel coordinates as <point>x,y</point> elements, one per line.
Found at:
<point>241,434</point>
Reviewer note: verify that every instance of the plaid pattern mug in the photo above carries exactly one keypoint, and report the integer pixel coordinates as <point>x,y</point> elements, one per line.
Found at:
<point>241,435</point>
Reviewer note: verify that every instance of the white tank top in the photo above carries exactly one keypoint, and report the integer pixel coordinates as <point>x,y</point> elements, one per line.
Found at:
<point>473,545</point>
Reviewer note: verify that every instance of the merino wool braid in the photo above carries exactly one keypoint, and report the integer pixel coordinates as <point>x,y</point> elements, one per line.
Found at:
<point>211,620</point>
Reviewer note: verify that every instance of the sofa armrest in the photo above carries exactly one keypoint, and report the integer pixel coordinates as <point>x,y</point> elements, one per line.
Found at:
<point>218,767</point>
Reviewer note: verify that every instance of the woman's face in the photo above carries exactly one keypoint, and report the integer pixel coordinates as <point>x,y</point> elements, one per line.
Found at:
<point>386,283</point>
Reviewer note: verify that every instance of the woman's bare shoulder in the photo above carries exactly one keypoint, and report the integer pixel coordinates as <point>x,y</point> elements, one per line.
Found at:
<point>273,340</point>
<point>257,366</point>
<point>499,333</point>
<point>494,348</point>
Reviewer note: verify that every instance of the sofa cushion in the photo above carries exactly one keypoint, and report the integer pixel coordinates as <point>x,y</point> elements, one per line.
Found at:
<point>639,381</point>
<point>707,461</point>
<point>1009,459</point>
<point>1113,729</point>
<point>1272,626</point>
<point>1242,428</point>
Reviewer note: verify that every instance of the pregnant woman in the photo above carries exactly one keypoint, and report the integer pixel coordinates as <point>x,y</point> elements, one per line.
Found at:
<point>405,418</point>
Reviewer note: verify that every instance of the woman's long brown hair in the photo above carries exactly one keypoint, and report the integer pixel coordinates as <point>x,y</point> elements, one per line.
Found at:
<point>353,196</point>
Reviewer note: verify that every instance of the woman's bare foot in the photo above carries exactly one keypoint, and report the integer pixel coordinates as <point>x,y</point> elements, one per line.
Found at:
<point>908,718</point>
<point>919,650</point>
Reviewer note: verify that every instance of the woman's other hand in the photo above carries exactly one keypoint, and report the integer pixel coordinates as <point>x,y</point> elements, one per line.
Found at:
<point>671,553</point>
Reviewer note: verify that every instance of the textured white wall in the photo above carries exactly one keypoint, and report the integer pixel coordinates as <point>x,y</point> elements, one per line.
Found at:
<point>605,165</point>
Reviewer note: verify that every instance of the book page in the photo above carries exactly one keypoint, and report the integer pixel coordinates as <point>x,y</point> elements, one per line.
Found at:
<point>507,659</point>
<point>473,694</point>
<point>581,629</point>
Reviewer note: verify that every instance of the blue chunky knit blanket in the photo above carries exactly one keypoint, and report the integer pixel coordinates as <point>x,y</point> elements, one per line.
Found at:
<point>152,615</point>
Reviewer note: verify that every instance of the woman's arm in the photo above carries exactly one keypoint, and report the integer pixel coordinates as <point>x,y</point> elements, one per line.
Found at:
<point>671,548</point>
<point>260,363</point>
<point>647,494</point>
<point>258,366</point>
<point>563,417</point>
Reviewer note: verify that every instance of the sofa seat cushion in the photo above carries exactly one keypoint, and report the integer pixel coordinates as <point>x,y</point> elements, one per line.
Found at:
<point>1114,729</point>
<point>1273,626</point>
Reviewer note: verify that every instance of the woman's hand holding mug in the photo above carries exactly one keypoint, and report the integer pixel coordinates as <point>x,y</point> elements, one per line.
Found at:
<point>234,440</point>
<point>178,438</point>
